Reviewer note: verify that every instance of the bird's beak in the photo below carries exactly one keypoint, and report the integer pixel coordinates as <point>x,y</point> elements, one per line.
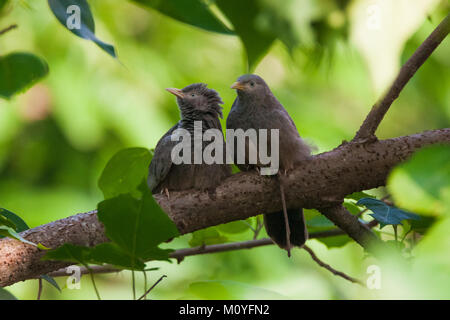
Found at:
<point>238,86</point>
<point>176,92</point>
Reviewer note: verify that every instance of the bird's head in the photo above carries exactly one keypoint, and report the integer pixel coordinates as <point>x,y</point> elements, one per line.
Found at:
<point>197,100</point>
<point>250,85</point>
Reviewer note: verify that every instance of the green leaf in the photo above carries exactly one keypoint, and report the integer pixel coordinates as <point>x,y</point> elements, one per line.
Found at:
<point>86,30</point>
<point>2,3</point>
<point>335,241</point>
<point>244,17</point>
<point>124,172</point>
<point>320,222</point>
<point>100,254</point>
<point>206,237</point>
<point>6,222</point>
<point>193,12</point>
<point>112,254</point>
<point>19,71</point>
<point>234,227</point>
<point>422,184</point>
<point>423,225</point>
<point>6,295</point>
<point>19,224</point>
<point>386,214</point>
<point>9,232</point>
<point>352,207</point>
<point>136,226</point>
<point>51,281</point>
<point>359,195</point>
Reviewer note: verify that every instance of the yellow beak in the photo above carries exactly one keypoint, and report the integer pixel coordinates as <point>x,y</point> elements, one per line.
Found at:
<point>176,92</point>
<point>238,86</point>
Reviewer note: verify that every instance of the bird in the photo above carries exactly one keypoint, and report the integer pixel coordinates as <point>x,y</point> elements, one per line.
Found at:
<point>255,107</point>
<point>196,103</point>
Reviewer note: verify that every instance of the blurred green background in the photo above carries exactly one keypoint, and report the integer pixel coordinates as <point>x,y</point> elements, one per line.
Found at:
<point>56,137</point>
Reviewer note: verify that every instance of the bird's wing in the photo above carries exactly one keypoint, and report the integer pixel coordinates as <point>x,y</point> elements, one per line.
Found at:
<point>162,161</point>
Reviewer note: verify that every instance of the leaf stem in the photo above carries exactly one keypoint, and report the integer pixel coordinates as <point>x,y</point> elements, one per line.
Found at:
<point>91,274</point>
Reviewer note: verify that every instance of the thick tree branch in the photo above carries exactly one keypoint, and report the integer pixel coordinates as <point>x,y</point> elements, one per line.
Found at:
<point>342,218</point>
<point>321,182</point>
<point>373,119</point>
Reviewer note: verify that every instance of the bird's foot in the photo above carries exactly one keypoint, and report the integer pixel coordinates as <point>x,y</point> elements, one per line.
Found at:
<point>166,191</point>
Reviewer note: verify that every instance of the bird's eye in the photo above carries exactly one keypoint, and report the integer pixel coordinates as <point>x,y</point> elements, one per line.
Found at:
<point>252,84</point>
<point>193,95</point>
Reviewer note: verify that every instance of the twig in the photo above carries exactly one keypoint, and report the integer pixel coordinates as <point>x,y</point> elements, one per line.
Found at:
<point>376,114</point>
<point>286,219</point>
<point>329,268</point>
<point>93,282</point>
<point>39,289</point>
<point>11,27</point>
<point>180,254</point>
<point>154,285</point>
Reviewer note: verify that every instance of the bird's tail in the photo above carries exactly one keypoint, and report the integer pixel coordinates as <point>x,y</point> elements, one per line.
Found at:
<point>276,228</point>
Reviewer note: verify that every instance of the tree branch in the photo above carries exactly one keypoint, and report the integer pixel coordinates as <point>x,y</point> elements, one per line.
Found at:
<point>373,119</point>
<point>342,218</point>
<point>321,182</point>
<point>180,254</point>
<point>5,30</point>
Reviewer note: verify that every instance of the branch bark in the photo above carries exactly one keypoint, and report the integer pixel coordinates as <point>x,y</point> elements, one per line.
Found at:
<point>321,182</point>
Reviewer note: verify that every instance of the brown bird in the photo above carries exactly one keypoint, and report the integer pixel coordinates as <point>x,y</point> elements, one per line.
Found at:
<point>257,108</point>
<point>196,103</point>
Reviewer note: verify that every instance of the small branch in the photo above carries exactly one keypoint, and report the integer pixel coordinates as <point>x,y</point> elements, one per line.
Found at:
<point>11,27</point>
<point>39,289</point>
<point>329,268</point>
<point>151,288</point>
<point>373,119</point>
<point>358,231</point>
<point>180,254</point>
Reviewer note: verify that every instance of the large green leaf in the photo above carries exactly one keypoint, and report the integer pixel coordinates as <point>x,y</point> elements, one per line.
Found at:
<point>193,12</point>
<point>244,17</point>
<point>124,172</point>
<point>100,254</point>
<point>18,71</point>
<point>136,226</point>
<point>62,11</point>
<point>422,184</point>
<point>386,214</point>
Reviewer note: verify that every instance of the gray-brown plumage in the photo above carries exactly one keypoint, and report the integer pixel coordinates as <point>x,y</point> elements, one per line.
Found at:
<point>256,107</point>
<point>196,103</point>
